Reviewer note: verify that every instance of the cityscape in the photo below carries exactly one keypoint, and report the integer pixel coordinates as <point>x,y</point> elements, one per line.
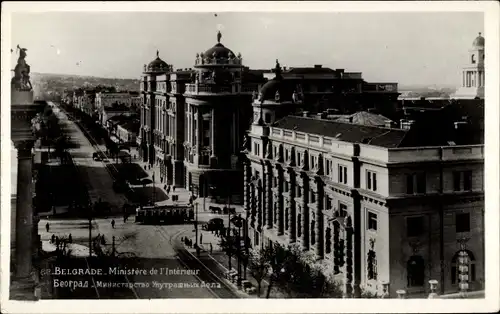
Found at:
<point>225,180</point>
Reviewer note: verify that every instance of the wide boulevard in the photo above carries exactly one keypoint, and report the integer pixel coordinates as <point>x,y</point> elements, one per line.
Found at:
<point>153,248</point>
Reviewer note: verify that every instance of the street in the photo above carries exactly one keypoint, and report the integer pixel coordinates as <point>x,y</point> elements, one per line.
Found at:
<point>148,247</point>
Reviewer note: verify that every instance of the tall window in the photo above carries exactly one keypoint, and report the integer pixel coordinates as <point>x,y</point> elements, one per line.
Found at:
<point>372,264</point>
<point>414,226</point>
<point>299,159</point>
<point>206,132</point>
<point>342,174</point>
<point>416,183</point>
<point>299,225</point>
<point>462,180</point>
<point>328,240</point>
<point>415,271</point>
<point>462,222</point>
<point>372,221</point>
<point>371,180</point>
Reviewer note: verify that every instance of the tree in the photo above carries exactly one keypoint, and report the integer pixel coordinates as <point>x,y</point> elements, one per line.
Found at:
<point>276,255</point>
<point>258,267</point>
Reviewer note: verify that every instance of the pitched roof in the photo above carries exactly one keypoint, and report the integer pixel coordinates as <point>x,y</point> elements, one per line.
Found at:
<point>365,118</point>
<point>347,132</point>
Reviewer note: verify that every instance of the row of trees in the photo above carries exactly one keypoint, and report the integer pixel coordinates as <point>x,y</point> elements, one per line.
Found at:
<point>289,269</point>
<point>49,133</point>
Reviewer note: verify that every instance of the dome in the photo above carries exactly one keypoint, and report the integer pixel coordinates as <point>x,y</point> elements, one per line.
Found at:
<point>220,51</point>
<point>278,89</point>
<point>218,55</point>
<point>478,42</point>
<point>157,65</point>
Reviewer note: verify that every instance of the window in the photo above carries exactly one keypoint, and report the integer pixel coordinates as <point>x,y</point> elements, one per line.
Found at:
<point>299,159</point>
<point>415,271</point>
<point>473,59</point>
<point>467,180</point>
<point>342,174</point>
<point>267,117</point>
<point>328,202</point>
<point>328,240</point>
<point>342,210</point>
<point>462,180</point>
<point>372,265</point>
<point>416,183</point>
<point>313,162</point>
<point>371,180</point>
<point>256,149</point>
<point>327,167</point>
<point>462,222</point>
<point>372,221</point>
<point>256,238</point>
<point>456,181</point>
<point>414,226</point>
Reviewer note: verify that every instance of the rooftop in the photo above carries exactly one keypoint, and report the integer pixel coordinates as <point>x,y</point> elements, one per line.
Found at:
<point>365,118</point>
<point>347,132</point>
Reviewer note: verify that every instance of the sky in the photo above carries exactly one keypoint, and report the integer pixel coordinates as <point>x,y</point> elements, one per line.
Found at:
<point>410,48</point>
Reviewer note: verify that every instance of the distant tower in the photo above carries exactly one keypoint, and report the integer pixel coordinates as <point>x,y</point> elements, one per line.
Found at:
<point>473,73</point>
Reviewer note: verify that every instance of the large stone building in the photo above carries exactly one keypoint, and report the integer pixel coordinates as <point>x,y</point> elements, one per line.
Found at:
<point>373,204</point>
<point>192,120</point>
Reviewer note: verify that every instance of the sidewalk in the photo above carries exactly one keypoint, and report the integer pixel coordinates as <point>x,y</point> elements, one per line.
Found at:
<point>221,261</point>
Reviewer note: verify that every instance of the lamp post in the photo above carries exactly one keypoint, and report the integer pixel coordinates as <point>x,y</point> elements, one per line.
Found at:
<point>194,189</point>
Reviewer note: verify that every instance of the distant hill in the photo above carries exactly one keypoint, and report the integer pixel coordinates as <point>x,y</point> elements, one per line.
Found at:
<point>55,84</point>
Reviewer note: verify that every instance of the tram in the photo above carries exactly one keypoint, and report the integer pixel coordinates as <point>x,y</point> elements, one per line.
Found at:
<point>165,214</point>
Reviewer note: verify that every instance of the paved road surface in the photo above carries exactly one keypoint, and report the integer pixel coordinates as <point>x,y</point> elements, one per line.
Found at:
<point>153,247</point>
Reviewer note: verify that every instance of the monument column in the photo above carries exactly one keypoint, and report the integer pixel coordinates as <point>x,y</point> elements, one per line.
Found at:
<point>24,210</point>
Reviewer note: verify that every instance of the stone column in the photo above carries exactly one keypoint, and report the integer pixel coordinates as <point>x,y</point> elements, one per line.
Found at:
<point>292,210</point>
<point>199,121</point>
<point>305,214</point>
<point>24,210</point>
<point>246,188</point>
<point>319,227</point>
<point>349,270</point>
<point>269,196</point>
<point>213,136</point>
<point>281,207</point>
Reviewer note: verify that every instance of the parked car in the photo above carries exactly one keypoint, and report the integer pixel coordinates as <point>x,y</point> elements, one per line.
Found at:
<point>213,224</point>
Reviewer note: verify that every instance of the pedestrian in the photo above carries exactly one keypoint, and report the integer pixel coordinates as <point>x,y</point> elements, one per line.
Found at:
<point>53,238</point>
<point>201,238</point>
<point>165,187</point>
<point>47,227</point>
<point>103,241</point>
<point>216,232</point>
<point>211,248</point>
<point>57,241</point>
<point>173,188</point>
<point>113,223</point>
<point>161,179</point>
<point>70,238</point>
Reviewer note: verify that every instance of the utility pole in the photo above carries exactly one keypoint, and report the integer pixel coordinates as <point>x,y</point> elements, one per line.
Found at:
<point>90,228</point>
<point>229,227</point>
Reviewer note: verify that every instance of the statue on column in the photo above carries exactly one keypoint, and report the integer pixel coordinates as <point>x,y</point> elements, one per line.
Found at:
<point>21,79</point>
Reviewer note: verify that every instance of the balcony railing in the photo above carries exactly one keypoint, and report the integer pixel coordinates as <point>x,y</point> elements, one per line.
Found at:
<point>198,89</point>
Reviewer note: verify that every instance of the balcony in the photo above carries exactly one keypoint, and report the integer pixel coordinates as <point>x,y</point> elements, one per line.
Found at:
<point>213,89</point>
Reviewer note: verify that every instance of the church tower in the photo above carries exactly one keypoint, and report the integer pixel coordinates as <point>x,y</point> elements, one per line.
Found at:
<point>473,76</point>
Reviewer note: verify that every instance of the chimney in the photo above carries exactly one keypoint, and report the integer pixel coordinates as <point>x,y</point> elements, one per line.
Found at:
<point>305,114</point>
<point>406,124</point>
<point>318,66</point>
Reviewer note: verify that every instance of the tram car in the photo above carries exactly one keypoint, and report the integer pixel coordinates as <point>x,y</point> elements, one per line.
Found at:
<point>165,214</point>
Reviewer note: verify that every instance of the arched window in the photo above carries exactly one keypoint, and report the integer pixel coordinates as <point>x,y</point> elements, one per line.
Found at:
<point>415,271</point>
<point>286,217</point>
<point>299,225</point>
<point>328,240</point>
<point>455,268</point>
<point>313,232</point>
<point>473,59</point>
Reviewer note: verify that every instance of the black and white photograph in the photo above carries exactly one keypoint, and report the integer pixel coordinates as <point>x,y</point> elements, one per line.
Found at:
<point>264,154</point>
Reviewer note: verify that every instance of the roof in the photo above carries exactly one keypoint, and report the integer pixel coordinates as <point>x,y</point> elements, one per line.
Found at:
<point>347,132</point>
<point>309,70</point>
<point>478,42</point>
<point>157,65</point>
<point>365,118</point>
<point>131,125</point>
